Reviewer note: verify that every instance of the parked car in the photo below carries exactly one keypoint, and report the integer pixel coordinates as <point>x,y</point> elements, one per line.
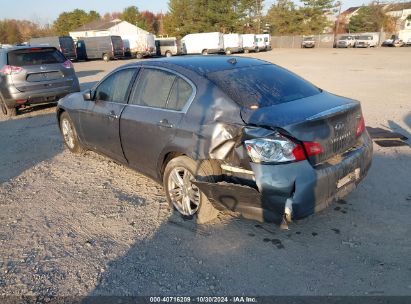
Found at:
<point>249,43</point>
<point>308,42</point>
<point>64,44</point>
<point>168,47</point>
<point>233,43</point>
<point>408,42</point>
<point>203,43</point>
<point>365,41</point>
<point>237,132</point>
<point>394,41</point>
<point>346,41</point>
<point>105,47</point>
<point>30,75</point>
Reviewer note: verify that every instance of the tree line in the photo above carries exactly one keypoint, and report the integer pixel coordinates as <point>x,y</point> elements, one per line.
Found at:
<point>191,16</point>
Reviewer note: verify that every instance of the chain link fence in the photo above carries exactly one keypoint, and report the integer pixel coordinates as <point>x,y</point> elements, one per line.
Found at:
<point>321,41</point>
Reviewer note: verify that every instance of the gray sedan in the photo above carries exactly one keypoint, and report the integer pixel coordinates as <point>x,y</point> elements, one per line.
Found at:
<point>224,132</point>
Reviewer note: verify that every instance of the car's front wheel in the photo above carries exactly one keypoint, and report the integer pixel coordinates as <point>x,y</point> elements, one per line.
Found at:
<point>182,194</point>
<point>69,134</point>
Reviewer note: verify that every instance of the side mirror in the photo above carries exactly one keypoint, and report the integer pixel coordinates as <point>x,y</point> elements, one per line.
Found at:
<point>87,95</point>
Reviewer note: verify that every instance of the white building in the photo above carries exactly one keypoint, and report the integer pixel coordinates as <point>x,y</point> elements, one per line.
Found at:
<point>105,28</point>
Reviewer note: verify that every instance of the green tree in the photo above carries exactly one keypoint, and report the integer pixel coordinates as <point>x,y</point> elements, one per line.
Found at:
<point>284,18</point>
<point>132,15</point>
<point>370,18</point>
<point>68,21</point>
<point>315,15</point>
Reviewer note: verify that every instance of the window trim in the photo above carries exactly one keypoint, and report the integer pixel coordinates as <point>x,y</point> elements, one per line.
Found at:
<point>189,101</point>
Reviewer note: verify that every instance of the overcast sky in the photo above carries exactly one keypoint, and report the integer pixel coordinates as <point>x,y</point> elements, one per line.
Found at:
<point>46,11</point>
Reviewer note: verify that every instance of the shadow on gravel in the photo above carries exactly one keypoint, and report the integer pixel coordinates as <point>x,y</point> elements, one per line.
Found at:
<point>344,250</point>
<point>26,142</point>
<point>34,108</point>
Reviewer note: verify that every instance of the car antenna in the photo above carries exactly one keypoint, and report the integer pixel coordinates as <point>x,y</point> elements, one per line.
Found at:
<point>232,60</point>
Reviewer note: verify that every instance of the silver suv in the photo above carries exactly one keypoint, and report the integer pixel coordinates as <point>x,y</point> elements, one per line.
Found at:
<point>30,75</point>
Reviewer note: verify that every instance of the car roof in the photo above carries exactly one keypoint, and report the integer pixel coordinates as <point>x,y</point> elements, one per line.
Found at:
<point>205,64</point>
<point>24,47</point>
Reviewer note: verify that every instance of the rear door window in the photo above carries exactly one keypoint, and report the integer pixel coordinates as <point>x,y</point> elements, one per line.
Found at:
<point>115,87</point>
<point>180,94</point>
<point>262,85</point>
<point>35,56</point>
<point>153,88</point>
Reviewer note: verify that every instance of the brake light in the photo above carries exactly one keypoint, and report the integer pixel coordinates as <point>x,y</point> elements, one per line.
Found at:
<point>9,70</point>
<point>360,126</point>
<point>68,64</point>
<point>313,148</point>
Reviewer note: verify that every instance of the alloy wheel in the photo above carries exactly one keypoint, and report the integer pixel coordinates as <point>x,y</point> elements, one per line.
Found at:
<point>184,195</point>
<point>68,133</point>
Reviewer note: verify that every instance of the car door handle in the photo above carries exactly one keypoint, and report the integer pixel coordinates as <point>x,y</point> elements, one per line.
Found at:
<point>164,123</point>
<point>112,115</point>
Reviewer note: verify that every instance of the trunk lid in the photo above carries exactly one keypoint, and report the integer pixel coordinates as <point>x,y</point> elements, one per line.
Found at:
<point>324,118</point>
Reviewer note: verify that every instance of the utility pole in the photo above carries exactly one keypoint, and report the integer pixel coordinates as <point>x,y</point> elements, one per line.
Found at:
<point>339,3</point>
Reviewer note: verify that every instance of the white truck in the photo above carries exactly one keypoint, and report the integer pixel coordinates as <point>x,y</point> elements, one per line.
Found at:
<point>203,43</point>
<point>249,43</point>
<point>141,45</point>
<point>261,44</point>
<point>233,43</point>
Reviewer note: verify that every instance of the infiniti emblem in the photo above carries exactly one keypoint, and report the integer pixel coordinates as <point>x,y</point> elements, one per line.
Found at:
<point>339,126</point>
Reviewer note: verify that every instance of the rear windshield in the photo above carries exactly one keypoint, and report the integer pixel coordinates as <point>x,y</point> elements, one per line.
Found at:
<point>35,56</point>
<point>364,38</point>
<point>117,43</point>
<point>262,86</point>
<point>66,43</point>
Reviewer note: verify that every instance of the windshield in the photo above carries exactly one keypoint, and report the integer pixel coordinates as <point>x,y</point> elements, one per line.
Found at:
<point>262,86</point>
<point>308,38</point>
<point>364,38</point>
<point>35,56</point>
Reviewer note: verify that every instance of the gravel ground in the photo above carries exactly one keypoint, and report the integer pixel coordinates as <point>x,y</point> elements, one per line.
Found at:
<point>84,225</point>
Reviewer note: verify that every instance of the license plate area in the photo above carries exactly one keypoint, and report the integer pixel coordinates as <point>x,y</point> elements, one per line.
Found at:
<point>349,178</point>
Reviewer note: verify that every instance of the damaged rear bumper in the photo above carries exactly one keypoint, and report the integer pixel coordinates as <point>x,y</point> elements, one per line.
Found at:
<point>309,189</point>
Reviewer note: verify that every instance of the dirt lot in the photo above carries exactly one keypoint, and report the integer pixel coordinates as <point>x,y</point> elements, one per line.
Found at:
<point>83,225</point>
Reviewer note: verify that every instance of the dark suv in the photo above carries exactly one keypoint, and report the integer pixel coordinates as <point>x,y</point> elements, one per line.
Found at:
<point>30,75</point>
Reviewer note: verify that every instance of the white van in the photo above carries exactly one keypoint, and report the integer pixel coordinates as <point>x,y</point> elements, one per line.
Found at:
<point>267,40</point>
<point>203,43</point>
<point>140,45</point>
<point>233,43</point>
<point>249,43</point>
<point>261,45</point>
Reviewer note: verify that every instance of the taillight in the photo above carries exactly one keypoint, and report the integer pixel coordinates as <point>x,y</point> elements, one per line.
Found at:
<point>9,70</point>
<point>68,64</point>
<point>280,149</point>
<point>313,148</point>
<point>360,126</point>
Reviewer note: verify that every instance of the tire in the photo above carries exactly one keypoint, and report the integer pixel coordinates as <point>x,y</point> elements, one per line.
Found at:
<point>246,51</point>
<point>106,57</point>
<point>68,131</point>
<point>139,56</point>
<point>204,52</point>
<point>9,112</point>
<point>168,54</point>
<point>176,180</point>
<point>257,50</point>
<point>228,51</point>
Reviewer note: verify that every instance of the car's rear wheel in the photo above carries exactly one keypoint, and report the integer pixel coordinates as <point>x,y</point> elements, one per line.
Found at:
<point>9,112</point>
<point>69,134</point>
<point>182,194</point>
<point>228,51</point>
<point>204,52</point>
<point>246,51</point>
<point>168,54</point>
